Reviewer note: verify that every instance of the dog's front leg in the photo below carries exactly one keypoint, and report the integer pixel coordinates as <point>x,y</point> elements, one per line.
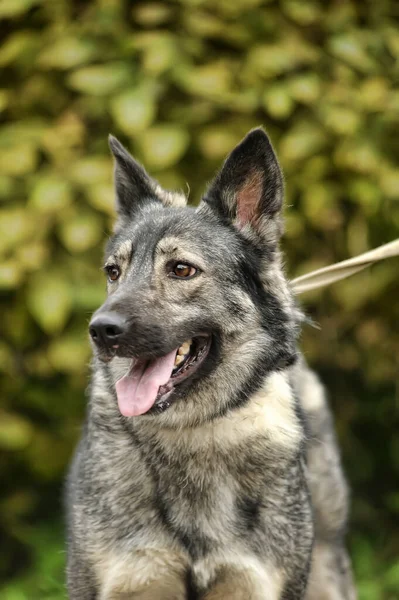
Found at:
<point>166,588</point>
<point>237,583</point>
<point>235,586</point>
<point>80,581</point>
<point>147,574</point>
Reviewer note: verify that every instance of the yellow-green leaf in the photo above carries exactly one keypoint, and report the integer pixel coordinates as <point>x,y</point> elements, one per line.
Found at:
<point>16,45</point>
<point>278,102</point>
<point>66,53</point>
<point>50,194</point>
<point>305,88</point>
<point>351,48</point>
<point>49,300</point>
<point>91,170</point>
<point>152,14</point>
<point>32,256</point>
<point>342,120</point>
<point>216,142</point>
<point>18,160</point>
<point>100,80</point>
<point>15,431</point>
<point>210,81</point>
<point>81,232</point>
<point>102,197</point>
<point>14,8</point>
<point>163,146</point>
<point>134,110</point>
<point>302,141</point>
<point>15,227</point>
<point>67,354</point>
<point>10,274</point>
<point>160,54</point>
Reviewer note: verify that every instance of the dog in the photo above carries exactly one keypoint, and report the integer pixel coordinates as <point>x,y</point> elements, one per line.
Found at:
<point>208,467</point>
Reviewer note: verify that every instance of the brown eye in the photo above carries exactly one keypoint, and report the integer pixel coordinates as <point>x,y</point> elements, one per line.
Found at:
<point>183,271</point>
<point>113,272</point>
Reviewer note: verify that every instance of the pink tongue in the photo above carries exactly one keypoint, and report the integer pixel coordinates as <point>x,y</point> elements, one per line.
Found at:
<point>137,391</point>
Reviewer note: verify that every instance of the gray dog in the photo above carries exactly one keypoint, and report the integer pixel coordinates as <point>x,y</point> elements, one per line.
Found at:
<point>208,467</point>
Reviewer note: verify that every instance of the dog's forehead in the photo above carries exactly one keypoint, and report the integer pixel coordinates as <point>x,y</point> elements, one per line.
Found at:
<point>166,227</point>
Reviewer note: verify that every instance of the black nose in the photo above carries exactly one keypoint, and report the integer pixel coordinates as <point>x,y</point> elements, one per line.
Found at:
<point>107,328</point>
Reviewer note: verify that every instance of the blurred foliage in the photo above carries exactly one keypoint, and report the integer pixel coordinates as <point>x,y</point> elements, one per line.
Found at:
<point>180,82</point>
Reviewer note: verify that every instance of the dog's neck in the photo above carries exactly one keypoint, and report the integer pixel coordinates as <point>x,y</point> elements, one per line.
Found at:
<point>271,412</point>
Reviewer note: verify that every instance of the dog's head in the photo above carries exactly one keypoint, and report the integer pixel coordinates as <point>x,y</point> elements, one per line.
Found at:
<point>198,310</point>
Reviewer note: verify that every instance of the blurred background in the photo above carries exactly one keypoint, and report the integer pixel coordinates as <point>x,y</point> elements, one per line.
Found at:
<point>180,82</point>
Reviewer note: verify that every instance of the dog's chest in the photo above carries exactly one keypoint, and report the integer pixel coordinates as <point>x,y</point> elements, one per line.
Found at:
<point>199,503</point>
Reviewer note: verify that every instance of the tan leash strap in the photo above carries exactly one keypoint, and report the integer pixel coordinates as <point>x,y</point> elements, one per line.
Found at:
<point>332,273</point>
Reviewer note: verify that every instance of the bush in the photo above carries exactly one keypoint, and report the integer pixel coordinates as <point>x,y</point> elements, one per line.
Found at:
<point>180,82</point>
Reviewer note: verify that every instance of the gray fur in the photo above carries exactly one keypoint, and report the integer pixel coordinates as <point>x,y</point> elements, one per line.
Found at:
<point>235,489</point>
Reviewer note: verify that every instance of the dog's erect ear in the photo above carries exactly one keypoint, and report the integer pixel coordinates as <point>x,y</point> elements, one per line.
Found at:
<point>248,190</point>
<point>134,187</point>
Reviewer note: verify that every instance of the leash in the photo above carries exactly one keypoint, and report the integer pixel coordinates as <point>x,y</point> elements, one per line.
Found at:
<point>345,268</point>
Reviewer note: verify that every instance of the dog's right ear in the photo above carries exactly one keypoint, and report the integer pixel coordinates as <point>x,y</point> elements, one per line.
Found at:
<point>134,187</point>
<point>248,190</point>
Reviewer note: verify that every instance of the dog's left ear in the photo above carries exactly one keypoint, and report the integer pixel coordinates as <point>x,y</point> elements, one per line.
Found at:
<point>248,190</point>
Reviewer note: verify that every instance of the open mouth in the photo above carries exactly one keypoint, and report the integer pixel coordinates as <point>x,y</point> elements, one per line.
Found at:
<point>150,384</point>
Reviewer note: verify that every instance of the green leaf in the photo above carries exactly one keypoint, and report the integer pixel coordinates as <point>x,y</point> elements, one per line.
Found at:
<point>15,8</point>
<point>365,193</point>
<point>18,160</point>
<point>389,182</point>
<point>152,14</point>
<point>67,53</point>
<point>163,146</point>
<point>319,206</point>
<point>4,99</point>
<point>358,155</point>
<point>301,142</point>
<point>271,60</point>
<point>160,53</point>
<point>88,297</point>
<point>305,88</point>
<point>91,170</point>
<point>102,197</point>
<point>28,131</point>
<point>134,110</point>
<point>368,589</point>
<point>15,227</point>
<point>68,354</point>
<point>17,45</point>
<point>100,80</point>
<point>15,431</point>
<point>304,13</point>
<point>216,142</point>
<point>6,186</point>
<point>278,102</point>
<point>32,256</point>
<point>50,194</point>
<point>391,577</point>
<point>342,120</point>
<point>81,232</point>
<point>211,81</point>
<point>351,49</point>
<point>10,274</point>
<point>49,301</point>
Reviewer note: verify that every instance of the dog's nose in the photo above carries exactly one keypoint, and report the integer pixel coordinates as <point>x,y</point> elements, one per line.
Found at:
<point>106,328</point>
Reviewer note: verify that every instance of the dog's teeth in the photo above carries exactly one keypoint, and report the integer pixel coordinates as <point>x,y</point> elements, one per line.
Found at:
<point>178,360</point>
<point>184,348</point>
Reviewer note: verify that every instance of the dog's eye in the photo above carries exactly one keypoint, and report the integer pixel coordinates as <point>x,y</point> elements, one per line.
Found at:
<point>113,272</point>
<point>182,271</point>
